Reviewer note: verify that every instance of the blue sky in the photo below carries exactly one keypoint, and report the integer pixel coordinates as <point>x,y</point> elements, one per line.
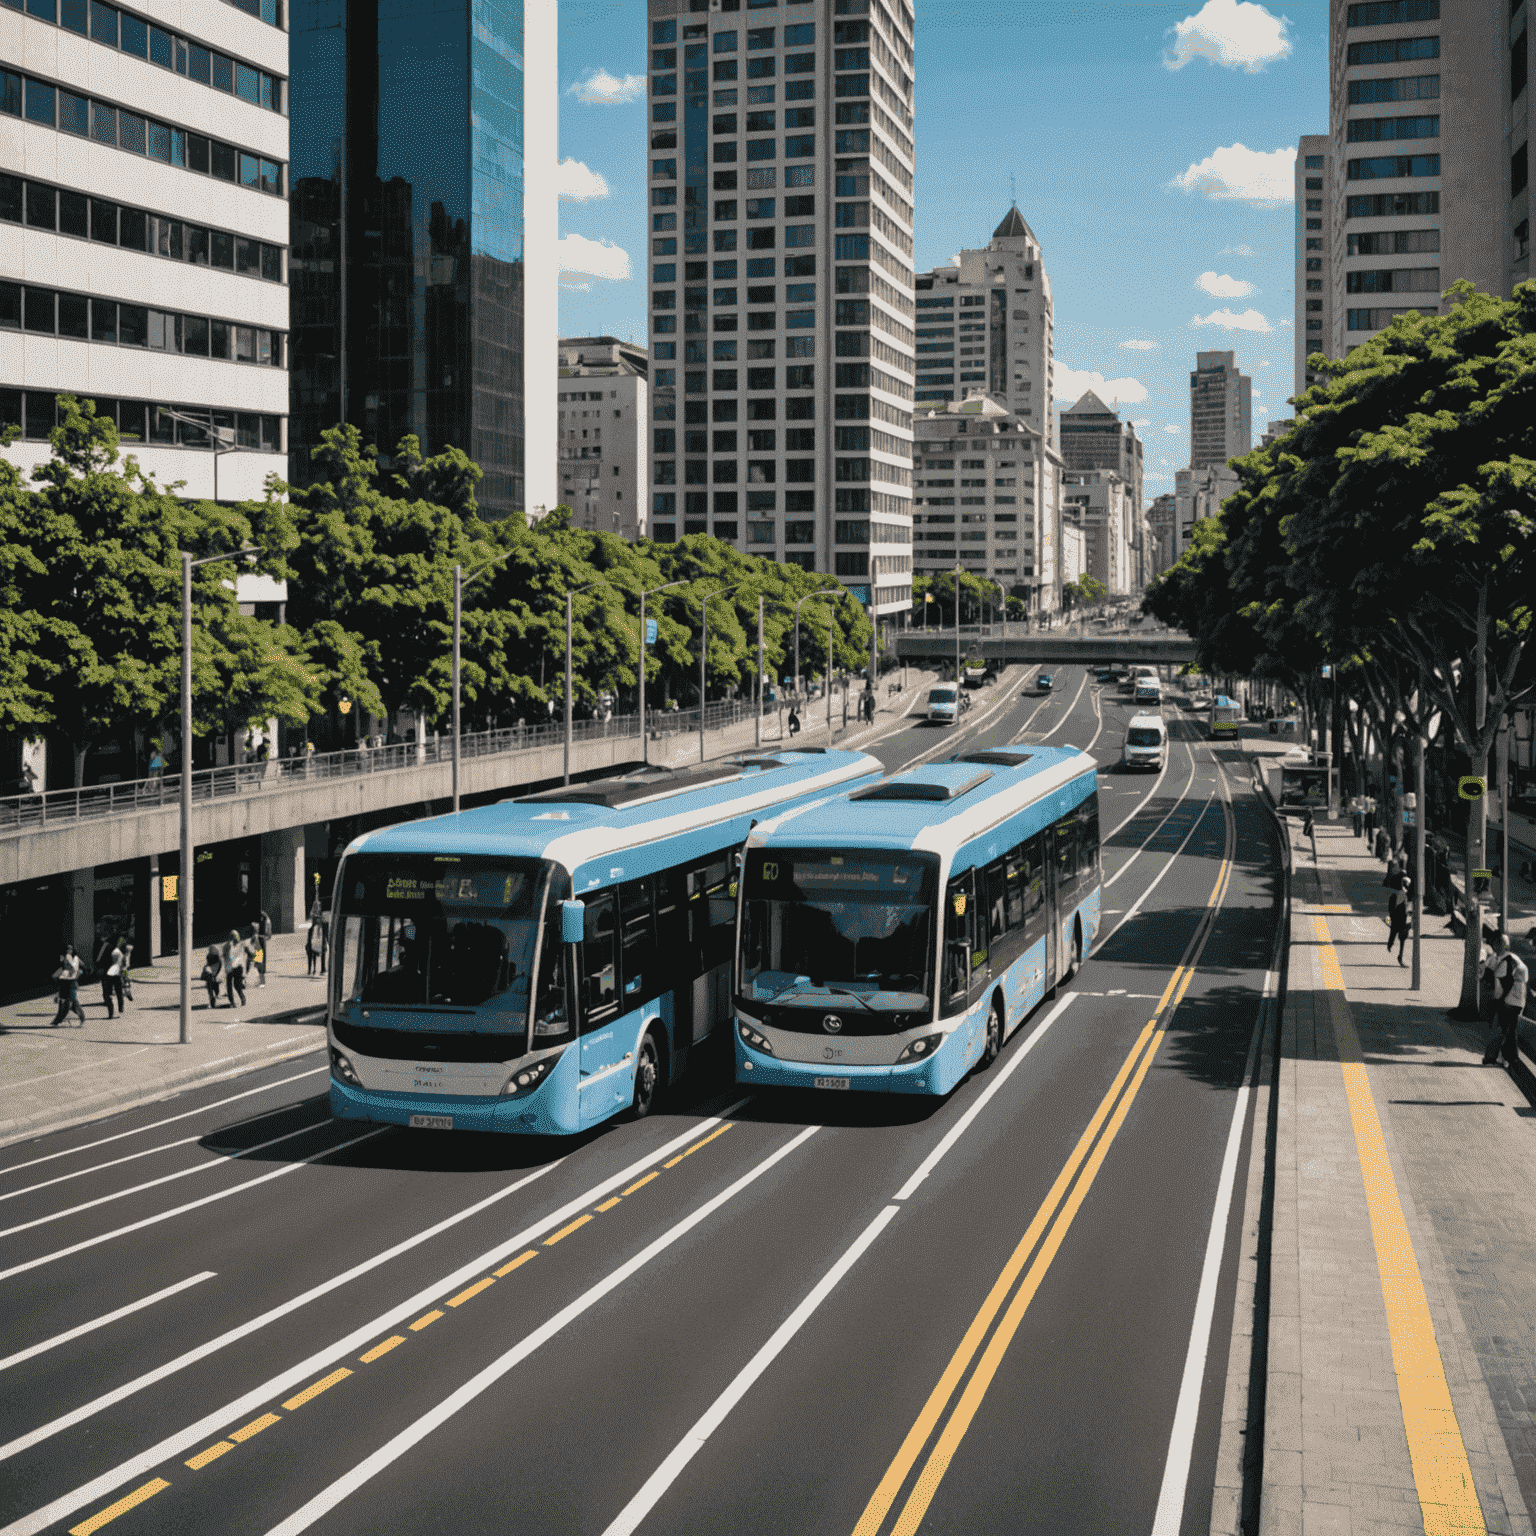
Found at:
<point>1150,145</point>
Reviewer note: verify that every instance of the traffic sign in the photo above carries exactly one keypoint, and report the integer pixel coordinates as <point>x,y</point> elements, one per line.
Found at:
<point>650,631</point>
<point>1471,786</point>
<point>1410,816</point>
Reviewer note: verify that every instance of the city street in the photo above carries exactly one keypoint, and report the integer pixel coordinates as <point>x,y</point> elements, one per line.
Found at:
<point>748,1313</point>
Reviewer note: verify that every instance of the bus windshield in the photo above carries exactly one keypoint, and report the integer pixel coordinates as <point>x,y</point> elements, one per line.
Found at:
<point>439,931</point>
<point>858,923</point>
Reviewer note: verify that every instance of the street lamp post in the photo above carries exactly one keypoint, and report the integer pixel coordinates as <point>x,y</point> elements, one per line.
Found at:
<point>957,626</point>
<point>184,876</point>
<point>808,596</point>
<point>704,650</point>
<point>569,701</point>
<point>460,581</point>
<point>758,732</point>
<point>645,740</point>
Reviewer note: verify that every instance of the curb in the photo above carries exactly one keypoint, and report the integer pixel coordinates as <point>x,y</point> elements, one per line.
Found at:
<point>113,1102</point>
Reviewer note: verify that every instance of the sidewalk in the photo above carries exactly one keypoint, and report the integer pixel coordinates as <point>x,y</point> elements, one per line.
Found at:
<point>1401,1385</point>
<point>51,1078</point>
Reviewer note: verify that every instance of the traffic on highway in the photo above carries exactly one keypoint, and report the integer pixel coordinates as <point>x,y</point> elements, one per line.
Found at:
<point>719,1288</point>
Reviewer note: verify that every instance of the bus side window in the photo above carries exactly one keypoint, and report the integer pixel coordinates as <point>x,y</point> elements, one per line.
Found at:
<point>1034,894</point>
<point>672,919</point>
<point>1016,883</point>
<point>552,1013</point>
<point>960,913</point>
<point>712,912</point>
<point>997,904</point>
<point>1065,833</point>
<point>1088,853</point>
<point>599,960</point>
<point>635,906</point>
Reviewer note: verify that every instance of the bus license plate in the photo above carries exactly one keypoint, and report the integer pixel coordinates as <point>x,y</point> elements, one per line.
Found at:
<point>432,1122</point>
<point>832,1082</point>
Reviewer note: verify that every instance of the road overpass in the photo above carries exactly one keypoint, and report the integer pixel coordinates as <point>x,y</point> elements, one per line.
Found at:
<point>1013,643</point>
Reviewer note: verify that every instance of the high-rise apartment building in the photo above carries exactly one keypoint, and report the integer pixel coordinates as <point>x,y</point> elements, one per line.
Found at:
<point>1093,436</point>
<point>1220,410</point>
<point>1099,502</point>
<point>1314,254</point>
<point>1430,121</point>
<point>987,321</point>
<point>1197,495</point>
<point>781,282</point>
<point>144,231</point>
<point>1162,526</point>
<point>424,219</point>
<point>603,427</point>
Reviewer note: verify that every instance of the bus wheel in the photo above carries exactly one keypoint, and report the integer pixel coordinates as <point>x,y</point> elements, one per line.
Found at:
<point>647,1078</point>
<point>994,1042</point>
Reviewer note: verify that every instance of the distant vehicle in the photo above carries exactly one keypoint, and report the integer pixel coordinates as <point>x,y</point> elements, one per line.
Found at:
<point>1148,691</point>
<point>977,672</point>
<point>944,704</point>
<point>1146,742</point>
<point>1106,675</point>
<point>1044,683</point>
<point>1226,716</point>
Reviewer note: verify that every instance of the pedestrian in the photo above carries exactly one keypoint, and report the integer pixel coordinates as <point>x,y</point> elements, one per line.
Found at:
<point>1397,915</point>
<point>314,938</point>
<point>127,948</point>
<point>263,937</point>
<point>1306,822</point>
<point>212,974</point>
<point>234,957</point>
<point>325,944</point>
<point>1357,815</point>
<point>794,721</point>
<point>156,761</point>
<point>68,978</point>
<point>1509,975</point>
<point>1370,819</point>
<point>117,965</point>
<point>108,960</point>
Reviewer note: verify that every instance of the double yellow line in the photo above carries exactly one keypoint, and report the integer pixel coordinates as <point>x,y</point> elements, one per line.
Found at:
<point>1051,1221</point>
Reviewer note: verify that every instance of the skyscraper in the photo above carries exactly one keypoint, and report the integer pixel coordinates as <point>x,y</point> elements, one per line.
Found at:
<point>1314,258</point>
<point>144,201</point>
<point>424,224</point>
<point>604,424</point>
<point>1094,437</point>
<point>1220,410</point>
<point>781,283</point>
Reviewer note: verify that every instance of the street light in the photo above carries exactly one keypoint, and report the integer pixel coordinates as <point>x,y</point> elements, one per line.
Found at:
<point>459,582</point>
<point>224,435</point>
<point>704,651</point>
<point>957,631</point>
<point>570,594</point>
<point>645,740</point>
<point>184,876</point>
<point>808,596</point>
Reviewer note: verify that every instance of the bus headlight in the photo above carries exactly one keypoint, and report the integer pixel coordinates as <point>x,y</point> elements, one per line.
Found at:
<point>526,1079</point>
<point>342,1069</point>
<point>755,1040</point>
<point>920,1050</point>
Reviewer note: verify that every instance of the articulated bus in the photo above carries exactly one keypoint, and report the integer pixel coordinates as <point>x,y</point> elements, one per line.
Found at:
<point>893,937</point>
<point>1226,716</point>
<point>541,964</point>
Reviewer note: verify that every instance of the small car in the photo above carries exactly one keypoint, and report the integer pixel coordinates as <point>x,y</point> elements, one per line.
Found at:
<point>1044,683</point>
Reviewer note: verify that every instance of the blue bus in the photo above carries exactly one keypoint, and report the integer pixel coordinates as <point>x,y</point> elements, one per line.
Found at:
<point>892,938</point>
<point>541,964</point>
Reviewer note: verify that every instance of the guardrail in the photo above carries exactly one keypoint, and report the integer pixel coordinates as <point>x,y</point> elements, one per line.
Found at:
<point>59,807</point>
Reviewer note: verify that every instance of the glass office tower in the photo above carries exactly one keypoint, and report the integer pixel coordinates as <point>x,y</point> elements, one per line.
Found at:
<point>412,190</point>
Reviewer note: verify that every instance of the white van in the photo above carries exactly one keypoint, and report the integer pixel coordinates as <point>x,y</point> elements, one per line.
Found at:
<point>1149,690</point>
<point>1146,742</point>
<point>944,704</point>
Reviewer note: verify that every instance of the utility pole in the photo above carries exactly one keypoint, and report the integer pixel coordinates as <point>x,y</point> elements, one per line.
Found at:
<point>758,733</point>
<point>1420,812</point>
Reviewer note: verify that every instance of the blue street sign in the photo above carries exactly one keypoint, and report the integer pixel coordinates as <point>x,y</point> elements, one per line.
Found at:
<point>650,631</point>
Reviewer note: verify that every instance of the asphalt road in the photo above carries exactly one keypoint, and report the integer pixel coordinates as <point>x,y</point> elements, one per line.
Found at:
<point>805,1314</point>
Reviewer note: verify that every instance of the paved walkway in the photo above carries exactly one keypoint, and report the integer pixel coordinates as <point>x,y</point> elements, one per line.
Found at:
<point>1401,1387</point>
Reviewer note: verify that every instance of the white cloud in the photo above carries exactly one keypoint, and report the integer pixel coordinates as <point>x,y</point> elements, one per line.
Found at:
<point>579,183</point>
<point>1233,33</point>
<point>1229,320</point>
<point>1263,410</point>
<point>1170,428</point>
<point>1237,250</point>
<point>1073,383</point>
<point>1257,393</point>
<point>601,89</point>
<point>584,261</point>
<point>1146,421</point>
<point>1139,346</point>
<point>1265,363</point>
<point>1237,174</point>
<point>1220,286</point>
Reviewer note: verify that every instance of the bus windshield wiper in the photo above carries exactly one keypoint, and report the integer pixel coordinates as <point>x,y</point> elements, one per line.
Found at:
<point>844,992</point>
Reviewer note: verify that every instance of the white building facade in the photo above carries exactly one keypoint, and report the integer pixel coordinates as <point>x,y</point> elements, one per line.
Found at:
<point>781,175</point>
<point>1099,502</point>
<point>144,232</point>
<point>1197,495</point>
<point>602,425</point>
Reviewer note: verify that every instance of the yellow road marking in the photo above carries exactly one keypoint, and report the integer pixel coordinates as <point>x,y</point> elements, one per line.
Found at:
<point>473,1290</point>
<point>320,1386</point>
<point>423,1322</point>
<point>704,1142</point>
<point>380,1350</point>
<point>1442,1474</point>
<point>581,1221</point>
<point>608,1205</point>
<point>933,1471</point>
<point>123,1505</point>
<point>655,1173</point>
<point>201,1460</point>
<point>255,1427</point>
<point>517,1263</point>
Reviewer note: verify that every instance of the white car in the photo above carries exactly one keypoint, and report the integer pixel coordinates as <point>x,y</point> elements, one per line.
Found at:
<point>1146,742</point>
<point>944,704</point>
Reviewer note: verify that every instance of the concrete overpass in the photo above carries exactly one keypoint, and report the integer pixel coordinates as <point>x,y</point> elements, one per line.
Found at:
<point>1013,643</point>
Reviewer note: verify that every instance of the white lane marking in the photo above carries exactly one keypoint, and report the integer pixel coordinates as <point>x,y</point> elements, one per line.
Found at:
<point>181,1173</point>
<point>959,1128</point>
<point>1181,1443</point>
<point>101,1322</point>
<point>169,1120</point>
<point>1173,859</point>
<point>191,1205</point>
<point>1070,707</point>
<point>1178,801</point>
<point>327,1499</point>
<point>629,1518</point>
<point>1167,757</point>
<point>378,1325</point>
<point>1005,691</point>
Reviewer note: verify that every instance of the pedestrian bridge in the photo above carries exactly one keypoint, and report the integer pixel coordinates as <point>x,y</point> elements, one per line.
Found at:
<point>1014,643</point>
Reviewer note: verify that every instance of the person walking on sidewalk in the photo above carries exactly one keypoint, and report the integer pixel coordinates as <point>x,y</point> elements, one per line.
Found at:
<point>1509,975</point>
<point>263,938</point>
<point>234,958</point>
<point>68,978</point>
<point>315,943</point>
<point>1397,915</point>
<point>126,945</point>
<point>794,722</point>
<point>212,974</point>
<point>109,967</point>
<point>117,963</point>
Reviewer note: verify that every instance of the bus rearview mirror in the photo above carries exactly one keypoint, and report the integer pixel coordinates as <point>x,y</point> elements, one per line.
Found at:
<point>573,918</point>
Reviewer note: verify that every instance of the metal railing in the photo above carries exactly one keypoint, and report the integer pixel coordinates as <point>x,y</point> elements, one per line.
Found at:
<point>59,807</point>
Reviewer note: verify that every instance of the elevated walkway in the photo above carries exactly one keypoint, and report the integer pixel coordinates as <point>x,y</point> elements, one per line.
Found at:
<point>1015,643</point>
